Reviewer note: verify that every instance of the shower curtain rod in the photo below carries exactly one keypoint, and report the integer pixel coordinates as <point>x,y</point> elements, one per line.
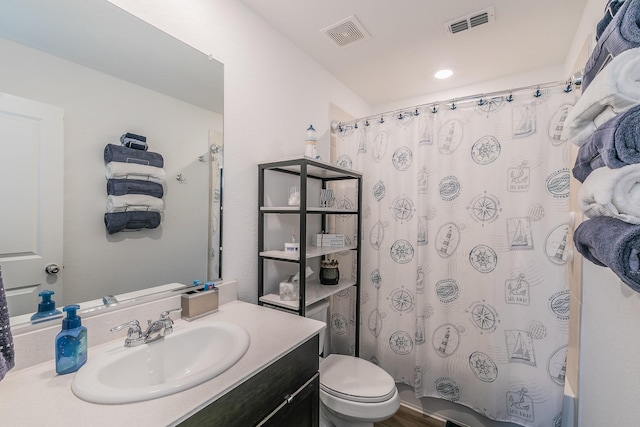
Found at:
<point>574,80</point>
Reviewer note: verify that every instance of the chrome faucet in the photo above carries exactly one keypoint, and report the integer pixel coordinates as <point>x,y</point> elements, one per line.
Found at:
<point>155,330</point>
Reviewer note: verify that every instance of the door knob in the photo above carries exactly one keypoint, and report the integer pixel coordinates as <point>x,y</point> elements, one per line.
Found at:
<point>52,269</point>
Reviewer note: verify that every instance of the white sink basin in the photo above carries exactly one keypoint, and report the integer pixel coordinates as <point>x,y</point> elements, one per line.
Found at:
<point>192,354</point>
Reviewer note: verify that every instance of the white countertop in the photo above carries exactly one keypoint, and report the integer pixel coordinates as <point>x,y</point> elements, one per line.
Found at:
<point>37,395</point>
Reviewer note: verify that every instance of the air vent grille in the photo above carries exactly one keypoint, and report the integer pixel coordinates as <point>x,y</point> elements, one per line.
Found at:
<point>470,21</point>
<point>456,27</point>
<point>476,20</point>
<point>346,32</point>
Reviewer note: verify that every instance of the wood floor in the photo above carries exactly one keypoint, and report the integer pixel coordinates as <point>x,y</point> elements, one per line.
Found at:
<point>406,417</point>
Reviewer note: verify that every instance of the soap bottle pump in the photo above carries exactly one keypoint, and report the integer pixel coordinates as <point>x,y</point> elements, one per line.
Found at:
<point>46,307</point>
<point>71,342</point>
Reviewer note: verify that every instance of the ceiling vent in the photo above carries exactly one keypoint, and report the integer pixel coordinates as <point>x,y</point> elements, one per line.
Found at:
<point>346,32</point>
<point>470,21</point>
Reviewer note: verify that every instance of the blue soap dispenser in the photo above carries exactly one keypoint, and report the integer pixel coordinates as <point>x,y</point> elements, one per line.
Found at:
<point>46,307</point>
<point>71,342</point>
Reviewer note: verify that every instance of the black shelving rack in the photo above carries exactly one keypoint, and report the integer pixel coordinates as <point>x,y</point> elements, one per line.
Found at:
<point>307,169</point>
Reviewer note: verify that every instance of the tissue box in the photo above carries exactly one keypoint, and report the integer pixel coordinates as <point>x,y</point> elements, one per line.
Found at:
<point>289,291</point>
<point>329,240</point>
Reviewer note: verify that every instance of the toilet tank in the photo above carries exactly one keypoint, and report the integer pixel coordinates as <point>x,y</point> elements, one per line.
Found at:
<point>320,311</point>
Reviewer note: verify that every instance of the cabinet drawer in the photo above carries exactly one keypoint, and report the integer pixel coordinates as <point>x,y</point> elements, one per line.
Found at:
<point>252,401</point>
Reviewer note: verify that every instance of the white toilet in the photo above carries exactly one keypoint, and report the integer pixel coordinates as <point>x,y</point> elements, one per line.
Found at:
<point>353,392</point>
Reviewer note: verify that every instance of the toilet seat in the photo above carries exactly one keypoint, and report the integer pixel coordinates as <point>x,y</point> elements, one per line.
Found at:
<point>356,380</point>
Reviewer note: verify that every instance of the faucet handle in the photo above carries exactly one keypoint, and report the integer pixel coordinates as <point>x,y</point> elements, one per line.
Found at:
<point>165,315</point>
<point>134,329</point>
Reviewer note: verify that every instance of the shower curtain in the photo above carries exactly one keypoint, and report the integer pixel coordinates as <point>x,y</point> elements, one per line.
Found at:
<point>464,290</point>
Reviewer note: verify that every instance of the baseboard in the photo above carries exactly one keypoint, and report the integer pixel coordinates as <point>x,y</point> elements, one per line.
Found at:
<point>433,415</point>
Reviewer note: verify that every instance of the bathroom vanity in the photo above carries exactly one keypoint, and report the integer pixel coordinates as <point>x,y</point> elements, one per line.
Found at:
<point>275,383</point>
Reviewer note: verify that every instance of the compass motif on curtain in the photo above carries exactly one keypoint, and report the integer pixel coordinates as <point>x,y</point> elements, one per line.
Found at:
<point>338,324</point>
<point>401,343</point>
<point>401,251</point>
<point>483,258</point>
<point>402,209</point>
<point>483,367</point>
<point>401,300</point>
<point>483,316</point>
<point>484,208</point>
<point>485,150</point>
<point>402,158</point>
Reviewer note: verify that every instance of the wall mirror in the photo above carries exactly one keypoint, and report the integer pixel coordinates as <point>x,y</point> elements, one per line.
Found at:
<point>110,73</point>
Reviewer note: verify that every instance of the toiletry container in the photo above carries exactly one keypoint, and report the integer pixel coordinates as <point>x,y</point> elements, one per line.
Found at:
<point>71,342</point>
<point>46,307</point>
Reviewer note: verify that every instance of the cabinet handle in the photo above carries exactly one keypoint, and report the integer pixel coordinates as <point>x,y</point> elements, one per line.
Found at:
<point>288,398</point>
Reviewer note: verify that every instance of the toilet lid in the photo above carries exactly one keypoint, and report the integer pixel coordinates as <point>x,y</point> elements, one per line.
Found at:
<point>355,379</point>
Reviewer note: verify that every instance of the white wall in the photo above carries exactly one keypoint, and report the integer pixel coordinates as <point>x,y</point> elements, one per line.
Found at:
<point>273,91</point>
<point>98,109</point>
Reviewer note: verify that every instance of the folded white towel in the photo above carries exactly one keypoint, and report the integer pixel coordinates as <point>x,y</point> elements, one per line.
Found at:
<point>121,170</point>
<point>134,202</point>
<point>614,90</point>
<point>612,192</point>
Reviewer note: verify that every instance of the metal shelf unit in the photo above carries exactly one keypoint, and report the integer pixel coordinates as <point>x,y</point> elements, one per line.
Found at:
<point>310,291</point>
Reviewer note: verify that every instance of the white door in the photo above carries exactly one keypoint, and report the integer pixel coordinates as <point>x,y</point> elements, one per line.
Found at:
<point>31,200</point>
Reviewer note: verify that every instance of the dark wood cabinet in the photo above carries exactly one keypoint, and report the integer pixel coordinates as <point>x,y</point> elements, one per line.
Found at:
<point>285,393</point>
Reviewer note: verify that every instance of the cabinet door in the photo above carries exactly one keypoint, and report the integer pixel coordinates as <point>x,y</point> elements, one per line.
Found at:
<point>301,409</point>
<point>259,396</point>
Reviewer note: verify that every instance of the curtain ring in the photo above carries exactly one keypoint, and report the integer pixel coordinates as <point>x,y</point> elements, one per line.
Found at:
<point>366,122</point>
<point>416,113</point>
<point>381,119</point>
<point>510,97</point>
<point>537,93</point>
<point>355,126</point>
<point>400,116</point>
<point>480,102</point>
<point>453,105</point>
<point>569,88</point>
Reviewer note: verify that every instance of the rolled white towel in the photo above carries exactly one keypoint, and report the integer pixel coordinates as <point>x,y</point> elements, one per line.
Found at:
<point>134,202</point>
<point>121,170</point>
<point>614,90</point>
<point>612,192</point>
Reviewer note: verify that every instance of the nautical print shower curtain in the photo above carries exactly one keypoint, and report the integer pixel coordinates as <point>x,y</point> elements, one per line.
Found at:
<point>464,251</point>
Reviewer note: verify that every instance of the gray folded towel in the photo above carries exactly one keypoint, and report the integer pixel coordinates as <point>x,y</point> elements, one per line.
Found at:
<point>122,187</point>
<point>610,11</point>
<point>614,144</point>
<point>134,220</point>
<point>120,153</point>
<point>622,33</point>
<point>612,243</point>
<point>7,355</point>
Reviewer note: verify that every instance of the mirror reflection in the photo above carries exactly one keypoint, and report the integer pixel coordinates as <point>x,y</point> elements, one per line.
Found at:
<point>72,82</point>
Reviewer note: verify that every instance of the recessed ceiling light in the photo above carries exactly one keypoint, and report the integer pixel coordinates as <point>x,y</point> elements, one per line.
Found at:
<point>443,74</point>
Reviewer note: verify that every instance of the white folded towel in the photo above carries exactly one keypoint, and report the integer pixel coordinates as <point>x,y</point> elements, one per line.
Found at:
<point>121,170</point>
<point>134,202</point>
<point>614,90</point>
<point>612,192</point>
